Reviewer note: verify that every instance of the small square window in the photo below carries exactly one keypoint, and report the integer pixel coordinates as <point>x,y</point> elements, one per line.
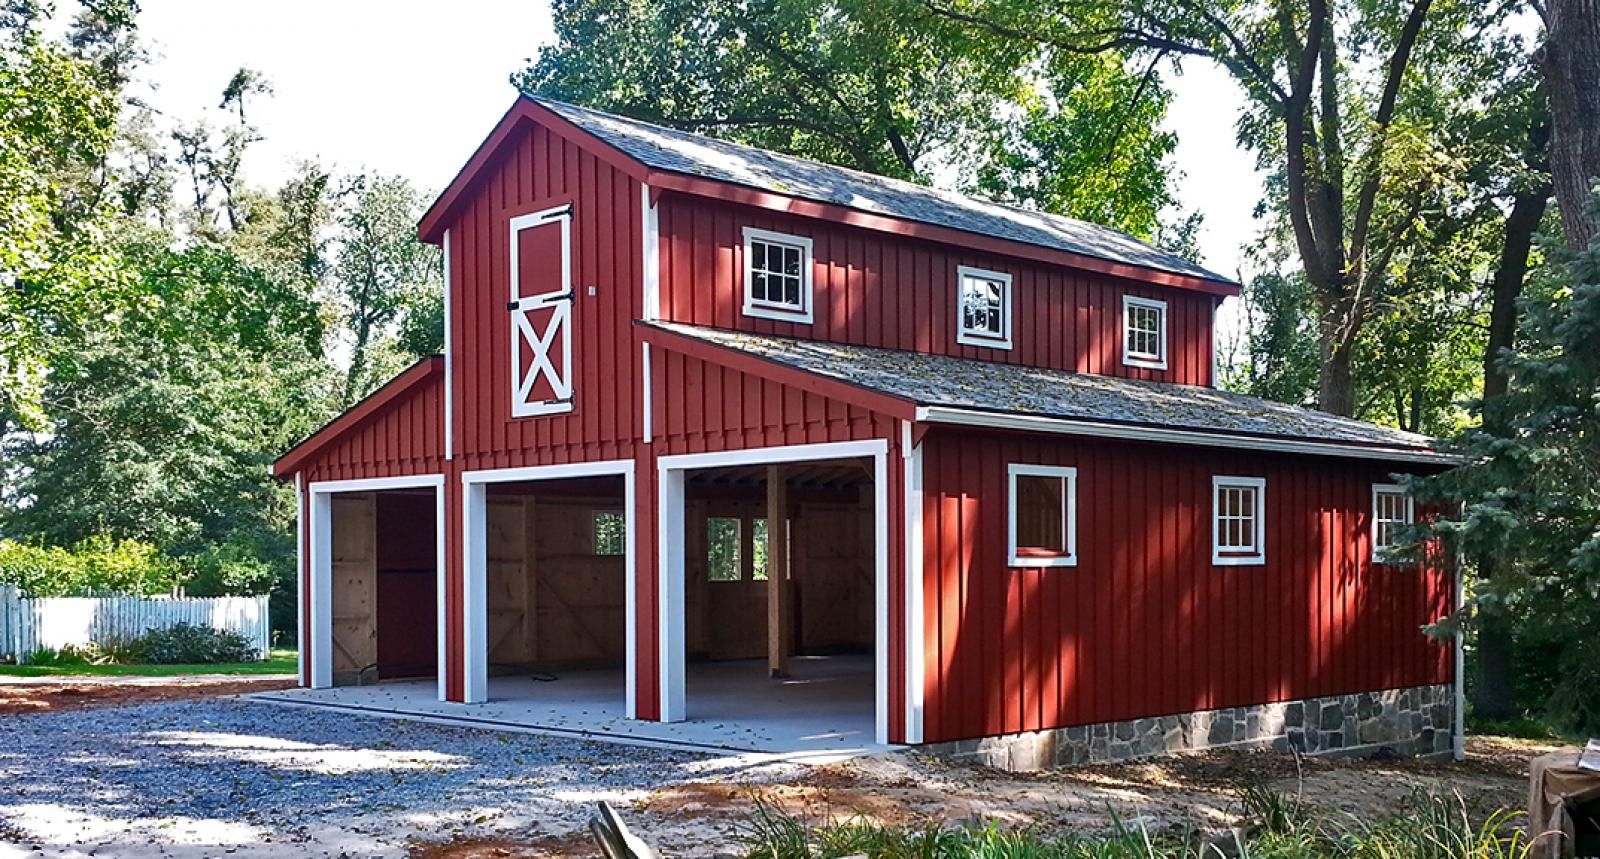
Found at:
<point>1392,512</point>
<point>1042,516</point>
<point>1144,332</point>
<point>724,545</point>
<point>777,276</point>
<point>610,533</point>
<point>1238,520</point>
<point>984,315</point>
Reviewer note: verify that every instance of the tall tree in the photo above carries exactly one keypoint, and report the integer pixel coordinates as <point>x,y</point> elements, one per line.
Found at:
<point>381,272</point>
<point>58,118</point>
<point>1570,58</point>
<point>1344,102</point>
<point>880,86</point>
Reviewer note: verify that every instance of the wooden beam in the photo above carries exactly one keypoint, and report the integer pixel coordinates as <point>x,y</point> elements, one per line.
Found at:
<point>780,631</point>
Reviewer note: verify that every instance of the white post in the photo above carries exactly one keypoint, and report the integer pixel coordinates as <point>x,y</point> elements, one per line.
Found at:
<point>321,608</point>
<point>474,580</point>
<point>670,572</point>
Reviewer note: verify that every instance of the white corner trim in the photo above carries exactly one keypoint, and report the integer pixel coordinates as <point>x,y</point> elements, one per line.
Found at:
<point>1156,361</point>
<point>650,221</point>
<point>975,338</point>
<point>648,397</point>
<point>915,644</point>
<point>780,311</point>
<point>1258,556</point>
<point>1069,515</point>
<point>441,596</point>
<point>1101,429</point>
<point>302,575</point>
<point>449,365</point>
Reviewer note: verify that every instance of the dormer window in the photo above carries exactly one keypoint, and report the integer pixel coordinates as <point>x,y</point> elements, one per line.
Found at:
<point>984,314</point>
<point>1144,332</point>
<point>777,276</point>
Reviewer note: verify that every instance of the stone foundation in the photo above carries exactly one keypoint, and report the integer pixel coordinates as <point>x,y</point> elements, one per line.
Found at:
<point>1418,721</point>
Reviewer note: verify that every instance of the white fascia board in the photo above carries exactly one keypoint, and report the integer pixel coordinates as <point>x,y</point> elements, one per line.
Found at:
<point>1166,435</point>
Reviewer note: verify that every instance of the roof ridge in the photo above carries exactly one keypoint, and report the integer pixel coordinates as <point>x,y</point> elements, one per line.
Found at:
<point>997,208</point>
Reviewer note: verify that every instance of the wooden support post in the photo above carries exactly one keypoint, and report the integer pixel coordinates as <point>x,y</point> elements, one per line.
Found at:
<point>780,632</point>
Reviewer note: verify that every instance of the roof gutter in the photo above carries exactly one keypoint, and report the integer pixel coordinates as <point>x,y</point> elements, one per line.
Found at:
<point>1100,429</point>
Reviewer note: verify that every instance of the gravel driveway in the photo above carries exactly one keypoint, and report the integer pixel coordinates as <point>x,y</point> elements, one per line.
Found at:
<point>212,777</point>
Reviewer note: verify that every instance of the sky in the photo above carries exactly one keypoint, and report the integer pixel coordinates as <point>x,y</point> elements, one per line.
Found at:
<point>403,88</point>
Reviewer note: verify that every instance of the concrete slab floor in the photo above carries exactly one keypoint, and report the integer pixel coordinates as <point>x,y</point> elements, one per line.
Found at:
<point>822,713</point>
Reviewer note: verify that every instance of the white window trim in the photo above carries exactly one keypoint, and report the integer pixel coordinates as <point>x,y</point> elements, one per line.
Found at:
<point>1157,361</point>
<point>1070,514</point>
<point>1259,538</point>
<point>775,310</point>
<point>1381,555</point>
<point>969,337</point>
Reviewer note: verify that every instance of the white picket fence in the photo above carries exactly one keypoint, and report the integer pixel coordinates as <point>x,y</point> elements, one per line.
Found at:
<point>29,623</point>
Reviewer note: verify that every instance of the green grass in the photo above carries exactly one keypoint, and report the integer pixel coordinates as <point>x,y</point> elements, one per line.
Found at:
<point>280,662</point>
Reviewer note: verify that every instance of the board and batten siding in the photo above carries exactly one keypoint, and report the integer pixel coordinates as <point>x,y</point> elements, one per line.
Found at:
<point>1145,624</point>
<point>540,170</point>
<point>874,289</point>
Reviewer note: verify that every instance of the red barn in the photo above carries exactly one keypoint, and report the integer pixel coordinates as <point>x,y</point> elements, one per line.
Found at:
<point>718,428</point>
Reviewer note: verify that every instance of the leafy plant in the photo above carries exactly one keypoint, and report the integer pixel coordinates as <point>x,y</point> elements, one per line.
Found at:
<point>186,644</point>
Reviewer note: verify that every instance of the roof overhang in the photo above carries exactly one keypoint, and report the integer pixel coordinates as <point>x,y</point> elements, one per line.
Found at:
<point>1174,435</point>
<point>393,391</point>
<point>794,377</point>
<point>525,111</point>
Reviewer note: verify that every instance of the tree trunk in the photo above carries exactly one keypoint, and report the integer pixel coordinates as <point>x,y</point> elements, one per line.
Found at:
<point>1336,390</point>
<point>1494,696</point>
<point>1570,60</point>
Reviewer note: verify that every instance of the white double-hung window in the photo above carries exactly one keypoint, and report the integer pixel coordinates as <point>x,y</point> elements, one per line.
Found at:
<point>1238,520</point>
<point>984,315</point>
<point>1392,512</point>
<point>1144,332</point>
<point>1041,516</point>
<point>777,276</point>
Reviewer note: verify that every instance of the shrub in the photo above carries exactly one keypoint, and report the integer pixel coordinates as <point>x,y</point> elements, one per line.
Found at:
<point>95,565</point>
<point>185,644</point>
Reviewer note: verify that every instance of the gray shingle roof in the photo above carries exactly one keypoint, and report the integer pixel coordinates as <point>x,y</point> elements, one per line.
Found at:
<point>938,380</point>
<point>706,157</point>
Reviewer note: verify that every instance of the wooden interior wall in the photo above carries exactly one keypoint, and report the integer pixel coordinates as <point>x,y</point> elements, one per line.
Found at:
<point>880,290</point>
<point>831,550</point>
<point>833,554</point>
<point>354,585</point>
<point>552,601</point>
<point>1145,625</point>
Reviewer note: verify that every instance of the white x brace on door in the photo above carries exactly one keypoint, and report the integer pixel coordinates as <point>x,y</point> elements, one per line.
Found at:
<point>541,313</point>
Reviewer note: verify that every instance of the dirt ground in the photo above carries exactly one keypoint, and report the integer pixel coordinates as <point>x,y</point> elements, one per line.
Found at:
<point>1198,790</point>
<point>36,695</point>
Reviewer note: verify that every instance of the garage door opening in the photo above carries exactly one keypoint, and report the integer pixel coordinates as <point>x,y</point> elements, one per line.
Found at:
<point>774,580</point>
<point>555,599</point>
<point>383,586</point>
<point>779,614</point>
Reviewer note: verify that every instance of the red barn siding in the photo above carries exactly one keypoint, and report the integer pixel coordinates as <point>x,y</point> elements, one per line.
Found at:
<point>1145,625</point>
<point>540,170</point>
<point>404,438</point>
<point>873,289</point>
